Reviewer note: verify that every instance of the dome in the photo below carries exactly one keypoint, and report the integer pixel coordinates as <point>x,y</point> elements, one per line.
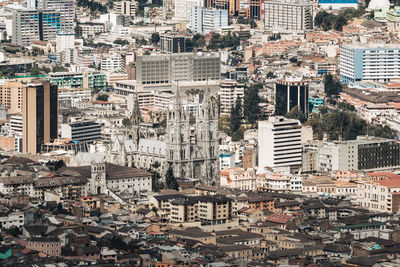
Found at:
<point>379,4</point>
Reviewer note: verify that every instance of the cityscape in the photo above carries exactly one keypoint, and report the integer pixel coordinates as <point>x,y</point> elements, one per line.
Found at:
<point>208,133</point>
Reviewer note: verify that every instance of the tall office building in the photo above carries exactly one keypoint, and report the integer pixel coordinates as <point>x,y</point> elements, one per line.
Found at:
<point>183,7</point>
<point>375,62</point>
<point>165,69</point>
<point>65,47</point>
<point>172,43</point>
<point>279,143</point>
<point>290,94</point>
<point>206,20</point>
<point>289,15</point>
<point>219,4</point>
<point>39,115</point>
<point>11,95</point>
<point>67,12</point>
<point>33,25</point>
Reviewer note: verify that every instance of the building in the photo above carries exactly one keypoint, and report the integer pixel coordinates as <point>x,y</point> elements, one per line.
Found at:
<point>288,16</point>
<point>89,29</point>
<point>172,43</point>
<point>226,160</point>
<point>65,47</point>
<point>11,95</point>
<point>364,153</point>
<point>164,69</point>
<point>32,25</point>
<point>12,219</point>
<point>183,7</point>
<point>237,178</point>
<point>67,12</point>
<point>375,62</point>
<point>82,131</point>
<point>94,80</point>
<point>279,143</point>
<point>70,97</point>
<point>126,8</point>
<point>39,115</point>
<point>111,62</point>
<point>380,193</point>
<point>229,91</point>
<point>50,246</point>
<point>338,4</point>
<point>206,20</point>
<point>290,94</point>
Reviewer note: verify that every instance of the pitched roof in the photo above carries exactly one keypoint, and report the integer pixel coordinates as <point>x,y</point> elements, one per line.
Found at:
<point>278,218</point>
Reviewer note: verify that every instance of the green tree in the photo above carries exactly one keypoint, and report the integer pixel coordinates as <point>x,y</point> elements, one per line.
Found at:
<point>297,113</point>
<point>331,85</point>
<point>155,38</point>
<point>236,115</point>
<point>55,165</point>
<point>252,109</point>
<point>270,75</point>
<point>102,97</point>
<point>58,68</point>
<point>170,179</point>
<point>126,122</point>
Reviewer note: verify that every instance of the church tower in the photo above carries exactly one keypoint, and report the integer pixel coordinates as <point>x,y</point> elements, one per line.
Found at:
<point>134,132</point>
<point>178,139</point>
<point>206,138</point>
<point>98,182</point>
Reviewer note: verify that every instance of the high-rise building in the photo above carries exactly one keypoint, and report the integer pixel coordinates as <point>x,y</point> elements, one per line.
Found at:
<point>172,43</point>
<point>290,94</point>
<point>67,12</point>
<point>65,47</point>
<point>33,25</point>
<point>183,7</point>
<point>39,115</point>
<point>11,95</point>
<point>206,20</point>
<point>279,143</point>
<point>375,62</point>
<point>288,15</point>
<point>165,69</point>
<point>82,131</point>
<point>126,8</point>
<point>230,90</point>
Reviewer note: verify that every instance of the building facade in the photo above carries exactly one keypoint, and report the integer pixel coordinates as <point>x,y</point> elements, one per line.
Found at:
<point>279,141</point>
<point>288,16</point>
<point>11,95</point>
<point>229,92</point>
<point>83,131</point>
<point>206,20</point>
<point>374,62</point>
<point>172,43</point>
<point>164,69</point>
<point>290,94</point>
<point>67,12</point>
<point>39,115</point>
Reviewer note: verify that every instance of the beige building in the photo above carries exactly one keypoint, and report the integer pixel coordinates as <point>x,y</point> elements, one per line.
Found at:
<point>238,178</point>
<point>126,8</point>
<point>11,95</point>
<point>39,115</point>
<point>229,91</point>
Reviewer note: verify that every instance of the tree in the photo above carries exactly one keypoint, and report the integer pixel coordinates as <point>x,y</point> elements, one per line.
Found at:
<point>126,122</point>
<point>235,119</point>
<point>270,75</point>
<point>252,110</point>
<point>102,97</point>
<point>58,68</point>
<point>121,42</point>
<point>155,38</point>
<point>55,165</point>
<point>331,85</point>
<point>297,113</point>
<point>280,107</point>
<point>170,179</point>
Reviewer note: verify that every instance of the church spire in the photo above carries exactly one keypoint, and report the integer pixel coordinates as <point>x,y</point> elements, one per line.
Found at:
<point>177,103</point>
<point>135,120</point>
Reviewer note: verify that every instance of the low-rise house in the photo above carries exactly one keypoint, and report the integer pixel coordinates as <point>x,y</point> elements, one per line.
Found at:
<point>48,245</point>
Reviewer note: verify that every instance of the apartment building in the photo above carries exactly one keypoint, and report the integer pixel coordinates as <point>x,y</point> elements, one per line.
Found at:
<point>364,153</point>
<point>172,43</point>
<point>206,20</point>
<point>380,193</point>
<point>279,142</point>
<point>164,69</point>
<point>183,7</point>
<point>12,219</point>
<point>72,96</point>
<point>89,29</point>
<point>287,16</point>
<point>111,62</point>
<point>33,24</point>
<point>229,91</point>
<point>238,178</point>
<point>67,12</point>
<point>94,80</point>
<point>126,8</point>
<point>11,95</point>
<point>82,131</point>
<point>374,62</point>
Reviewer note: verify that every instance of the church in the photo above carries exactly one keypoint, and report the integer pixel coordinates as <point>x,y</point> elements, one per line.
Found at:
<point>189,148</point>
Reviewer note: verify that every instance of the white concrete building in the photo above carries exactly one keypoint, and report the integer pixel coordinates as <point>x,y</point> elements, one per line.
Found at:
<point>229,91</point>
<point>13,219</point>
<point>183,7</point>
<point>279,142</point>
<point>206,20</point>
<point>111,63</point>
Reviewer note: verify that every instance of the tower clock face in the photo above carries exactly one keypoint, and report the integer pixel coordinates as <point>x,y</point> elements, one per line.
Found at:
<point>98,177</point>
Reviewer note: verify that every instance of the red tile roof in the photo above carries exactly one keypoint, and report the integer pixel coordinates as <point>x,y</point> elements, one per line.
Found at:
<point>278,218</point>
